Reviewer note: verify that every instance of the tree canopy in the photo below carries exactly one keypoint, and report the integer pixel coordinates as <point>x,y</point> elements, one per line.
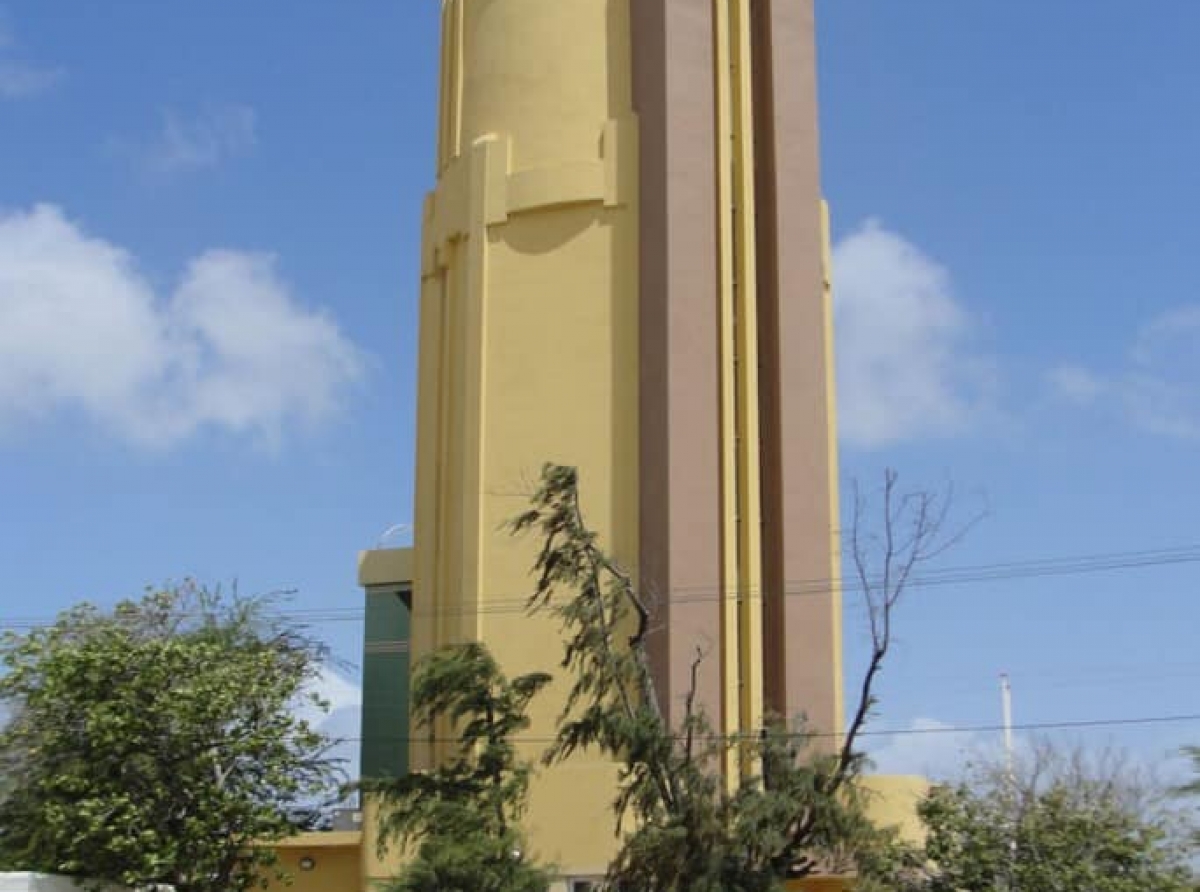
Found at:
<point>1054,821</point>
<point>158,742</point>
<point>1192,788</point>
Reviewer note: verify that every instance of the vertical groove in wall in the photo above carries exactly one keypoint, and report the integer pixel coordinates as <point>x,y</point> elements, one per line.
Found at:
<point>770,448</point>
<point>649,62</point>
<point>731,675</point>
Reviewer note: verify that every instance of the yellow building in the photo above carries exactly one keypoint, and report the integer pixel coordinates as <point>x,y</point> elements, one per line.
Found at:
<point>624,268</point>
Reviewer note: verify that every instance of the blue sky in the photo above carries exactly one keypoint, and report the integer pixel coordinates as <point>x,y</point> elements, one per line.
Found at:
<point>209,224</point>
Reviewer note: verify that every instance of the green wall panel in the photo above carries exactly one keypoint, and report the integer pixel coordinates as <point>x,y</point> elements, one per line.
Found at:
<point>385,691</point>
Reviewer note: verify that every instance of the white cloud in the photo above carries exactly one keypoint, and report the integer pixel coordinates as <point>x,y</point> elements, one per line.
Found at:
<point>1158,388</point>
<point>928,747</point>
<point>933,749</point>
<point>188,142</point>
<point>903,367</point>
<point>343,720</point>
<point>338,692</point>
<point>229,349</point>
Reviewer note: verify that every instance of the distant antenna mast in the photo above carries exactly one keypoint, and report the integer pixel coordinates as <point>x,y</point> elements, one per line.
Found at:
<point>1006,705</point>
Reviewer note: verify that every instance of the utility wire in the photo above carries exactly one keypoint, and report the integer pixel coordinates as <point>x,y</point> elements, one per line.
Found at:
<point>896,732</point>
<point>961,575</point>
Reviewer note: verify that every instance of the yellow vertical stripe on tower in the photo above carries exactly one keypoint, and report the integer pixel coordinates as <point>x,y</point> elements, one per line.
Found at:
<point>446,320</point>
<point>483,170</point>
<point>430,439</point>
<point>442,324</point>
<point>443,141</point>
<point>455,85</point>
<point>741,631</point>
<point>835,539</point>
<point>450,85</point>
<point>450,452</point>
<point>749,495</point>
<point>730,640</point>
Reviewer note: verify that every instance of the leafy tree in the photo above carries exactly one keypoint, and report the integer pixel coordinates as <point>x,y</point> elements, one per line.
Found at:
<point>801,809</point>
<point>463,816</point>
<point>1057,822</point>
<point>1193,788</point>
<point>158,742</point>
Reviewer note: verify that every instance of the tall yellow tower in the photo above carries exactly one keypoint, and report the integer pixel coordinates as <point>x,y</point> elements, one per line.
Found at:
<point>623,269</point>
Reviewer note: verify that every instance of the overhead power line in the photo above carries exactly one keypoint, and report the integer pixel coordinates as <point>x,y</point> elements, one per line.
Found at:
<point>1185,718</point>
<point>517,602</point>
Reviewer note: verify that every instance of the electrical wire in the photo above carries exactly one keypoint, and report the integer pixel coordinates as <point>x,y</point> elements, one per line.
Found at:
<point>949,576</point>
<point>1185,718</point>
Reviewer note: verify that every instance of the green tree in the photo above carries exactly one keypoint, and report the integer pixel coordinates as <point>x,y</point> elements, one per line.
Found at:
<point>1056,822</point>
<point>158,742</point>
<point>463,816</point>
<point>1192,788</point>
<point>799,809</point>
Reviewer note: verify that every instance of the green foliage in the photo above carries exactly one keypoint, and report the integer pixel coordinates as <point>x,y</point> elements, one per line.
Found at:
<point>156,742</point>
<point>1061,825</point>
<point>1192,788</point>
<point>797,806</point>
<point>462,817</point>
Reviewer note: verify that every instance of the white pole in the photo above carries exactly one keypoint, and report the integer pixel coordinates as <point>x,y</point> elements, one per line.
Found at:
<point>1006,702</point>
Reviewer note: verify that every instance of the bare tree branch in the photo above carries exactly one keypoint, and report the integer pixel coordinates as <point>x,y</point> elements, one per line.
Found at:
<point>913,534</point>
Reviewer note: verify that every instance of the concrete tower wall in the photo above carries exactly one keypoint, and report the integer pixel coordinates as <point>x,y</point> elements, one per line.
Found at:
<point>528,347</point>
<point>738,445</point>
<point>622,270</point>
